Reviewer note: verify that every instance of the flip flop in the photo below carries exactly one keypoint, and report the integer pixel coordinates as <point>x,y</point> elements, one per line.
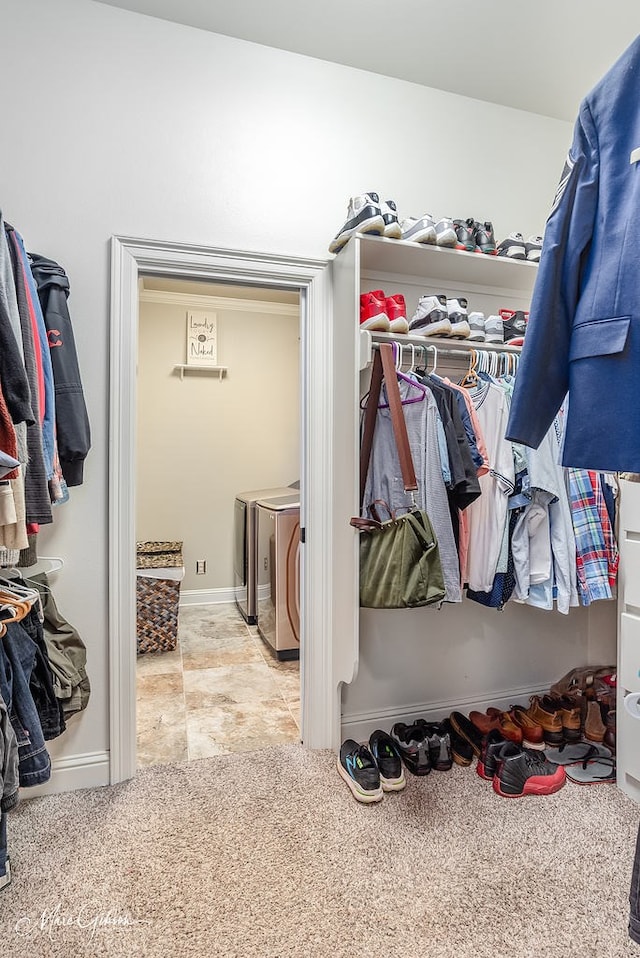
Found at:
<point>575,752</point>
<point>593,771</point>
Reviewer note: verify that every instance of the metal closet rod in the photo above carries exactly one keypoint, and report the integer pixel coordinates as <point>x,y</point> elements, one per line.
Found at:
<point>462,351</point>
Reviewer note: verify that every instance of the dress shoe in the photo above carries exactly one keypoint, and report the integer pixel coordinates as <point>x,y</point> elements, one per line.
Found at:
<point>494,718</point>
<point>461,751</point>
<point>532,733</point>
<point>467,730</point>
<point>551,721</point>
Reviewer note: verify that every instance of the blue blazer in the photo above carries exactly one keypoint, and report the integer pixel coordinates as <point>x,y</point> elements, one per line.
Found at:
<point>583,336</point>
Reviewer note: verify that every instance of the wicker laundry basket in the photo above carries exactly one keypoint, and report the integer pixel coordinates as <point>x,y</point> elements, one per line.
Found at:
<point>157,596</point>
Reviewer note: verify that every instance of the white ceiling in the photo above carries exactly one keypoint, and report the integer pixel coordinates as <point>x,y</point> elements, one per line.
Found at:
<point>537,55</point>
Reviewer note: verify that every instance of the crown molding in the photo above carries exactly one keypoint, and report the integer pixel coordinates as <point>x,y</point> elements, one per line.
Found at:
<point>165,298</point>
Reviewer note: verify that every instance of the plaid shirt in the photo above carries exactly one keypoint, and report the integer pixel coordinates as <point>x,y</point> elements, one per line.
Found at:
<point>596,553</point>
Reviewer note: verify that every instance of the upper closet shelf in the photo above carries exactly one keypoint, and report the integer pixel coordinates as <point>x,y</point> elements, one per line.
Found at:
<point>380,255</point>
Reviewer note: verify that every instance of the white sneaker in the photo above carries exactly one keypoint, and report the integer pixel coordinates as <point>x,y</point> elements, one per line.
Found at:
<point>457,312</point>
<point>493,330</point>
<point>533,248</point>
<point>421,230</point>
<point>364,215</point>
<point>476,327</point>
<point>431,317</point>
<point>445,232</point>
<point>389,212</point>
<point>512,247</point>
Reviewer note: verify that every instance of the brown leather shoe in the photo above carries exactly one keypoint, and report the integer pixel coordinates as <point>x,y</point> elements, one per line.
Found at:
<point>570,713</point>
<point>610,733</point>
<point>532,733</point>
<point>551,722</point>
<point>594,727</point>
<point>493,718</point>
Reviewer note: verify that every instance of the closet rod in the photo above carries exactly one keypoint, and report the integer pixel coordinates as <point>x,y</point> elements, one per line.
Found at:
<point>456,346</point>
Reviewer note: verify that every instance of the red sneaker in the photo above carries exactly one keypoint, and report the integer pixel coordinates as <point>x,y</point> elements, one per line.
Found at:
<point>373,311</point>
<point>396,309</point>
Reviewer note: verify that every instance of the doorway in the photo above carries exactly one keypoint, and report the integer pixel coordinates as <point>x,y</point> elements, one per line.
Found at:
<point>218,415</point>
<point>321,665</point>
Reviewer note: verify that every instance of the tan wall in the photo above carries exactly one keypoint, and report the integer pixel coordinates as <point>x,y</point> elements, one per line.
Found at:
<point>201,440</point>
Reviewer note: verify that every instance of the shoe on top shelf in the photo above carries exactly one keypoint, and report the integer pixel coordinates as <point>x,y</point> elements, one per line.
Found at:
<point>476,327</point>
<point>364,215</point>
<point>431,317</point>
<point>513,247</point>
<point>358,768</point>
<point>419,230</point>
<point>465,234</point>
<point>457,312</point>
<point>389,212</point>
<point>445,232</point>
<point>485,239</point>
<point>396,311</point>
<point>533,248</point>
<point>373,311</point>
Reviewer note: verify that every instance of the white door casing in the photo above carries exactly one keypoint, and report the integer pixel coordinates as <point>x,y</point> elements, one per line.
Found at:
<point>321,628</point>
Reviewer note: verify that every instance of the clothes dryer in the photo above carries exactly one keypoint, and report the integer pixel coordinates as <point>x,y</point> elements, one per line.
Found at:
<point>244,548</point>
<point>278,574</point>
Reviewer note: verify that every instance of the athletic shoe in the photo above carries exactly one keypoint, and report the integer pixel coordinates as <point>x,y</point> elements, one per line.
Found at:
<point>421,230</point>
<point>461,750</point>
<point>514,323</point>
<point>487,764</point>
<point>439,741</point>
<point>476,327</point>
<point>412,744</point>
<point>465,234</point>
<point>522,771</point>
<point>389,762</point>
<point>389,212</point>
<point>445,232</point>
<point>431,317</point>
<point>533,248</point>
<point>396,310</point>
<point>364,215</point>
<point>493,330</point>
<point>373,311</point>
<point>485,239</point>
<point>513,247</point>
<point>357,767</point>
<point>457,312</point>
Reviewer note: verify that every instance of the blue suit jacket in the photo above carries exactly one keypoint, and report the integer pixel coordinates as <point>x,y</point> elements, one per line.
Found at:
<point>583,335</point>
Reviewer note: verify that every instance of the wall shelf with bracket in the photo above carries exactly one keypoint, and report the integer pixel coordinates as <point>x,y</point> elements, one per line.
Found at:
<point>219,371</point>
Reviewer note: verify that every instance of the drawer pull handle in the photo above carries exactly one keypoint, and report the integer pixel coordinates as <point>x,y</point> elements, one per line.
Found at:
<point>632,704</point>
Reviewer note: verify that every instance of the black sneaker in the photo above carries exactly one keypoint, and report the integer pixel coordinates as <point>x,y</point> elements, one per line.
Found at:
<point>461,751</point>
<point>485,239</point>
<point>466,234</point>
<point>357,766</point>
<point>513,247</point>
<point>488,761</point>
<point>364,215</point>
<point>514,327</point>
<point>439,741</point>
<point>413,746</point>
<point>389,762</point>
<point>467,730</point>
<point>431,317</point>
<point>523,771</point>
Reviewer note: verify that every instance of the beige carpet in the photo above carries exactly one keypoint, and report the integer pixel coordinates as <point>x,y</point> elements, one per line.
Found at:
<point>267,855</point>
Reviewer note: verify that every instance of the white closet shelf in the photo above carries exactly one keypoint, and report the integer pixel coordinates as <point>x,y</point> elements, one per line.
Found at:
<point>219,371</point>
<point>381,255</point>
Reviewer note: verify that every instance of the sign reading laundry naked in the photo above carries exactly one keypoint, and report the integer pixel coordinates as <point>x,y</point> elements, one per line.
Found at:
<point>202,337</point>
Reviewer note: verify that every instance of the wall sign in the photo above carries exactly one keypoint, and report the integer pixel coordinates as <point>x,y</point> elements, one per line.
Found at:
<point>202,338</point>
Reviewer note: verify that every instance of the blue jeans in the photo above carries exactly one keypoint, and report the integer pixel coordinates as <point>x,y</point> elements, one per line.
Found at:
<point>17,659</point>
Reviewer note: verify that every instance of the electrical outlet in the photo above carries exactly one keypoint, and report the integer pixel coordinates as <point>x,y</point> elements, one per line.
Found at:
<point>201,566</point>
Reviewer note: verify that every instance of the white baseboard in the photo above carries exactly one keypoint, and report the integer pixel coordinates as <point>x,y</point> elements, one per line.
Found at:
<point>360,725</point>
<point>87,770</point>
<point>215,596</point>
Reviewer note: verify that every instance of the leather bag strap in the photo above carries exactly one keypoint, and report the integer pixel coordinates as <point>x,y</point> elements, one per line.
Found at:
<point>384,367</point>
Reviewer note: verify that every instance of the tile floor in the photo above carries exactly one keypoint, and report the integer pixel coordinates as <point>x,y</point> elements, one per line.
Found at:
<point>220,691</point>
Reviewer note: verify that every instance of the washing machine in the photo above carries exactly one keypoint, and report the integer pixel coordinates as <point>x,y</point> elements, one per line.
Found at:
<point>244,549</point>
<point>278,574</point>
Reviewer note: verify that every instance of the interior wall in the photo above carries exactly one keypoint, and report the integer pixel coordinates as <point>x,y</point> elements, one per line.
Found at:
<point>202,439</point>
<point>134,126</point>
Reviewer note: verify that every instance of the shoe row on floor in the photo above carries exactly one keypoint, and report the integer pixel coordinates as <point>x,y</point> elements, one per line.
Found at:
<point>437,316</point>
<point>368,213</point>
<point>522,751</point>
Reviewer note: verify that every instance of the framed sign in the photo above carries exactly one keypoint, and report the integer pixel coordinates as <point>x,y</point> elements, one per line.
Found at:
<point>202,338</point>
